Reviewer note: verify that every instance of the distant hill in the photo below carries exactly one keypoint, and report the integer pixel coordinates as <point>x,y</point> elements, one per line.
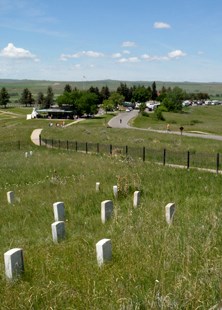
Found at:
<point>16,86</point>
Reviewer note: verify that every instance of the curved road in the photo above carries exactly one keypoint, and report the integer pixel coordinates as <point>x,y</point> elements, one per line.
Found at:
<point>123,118</point>
<point>121,121</point>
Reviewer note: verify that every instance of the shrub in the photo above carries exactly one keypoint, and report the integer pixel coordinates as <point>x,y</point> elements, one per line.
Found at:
<point>145,114</point>
<point>159,114</point>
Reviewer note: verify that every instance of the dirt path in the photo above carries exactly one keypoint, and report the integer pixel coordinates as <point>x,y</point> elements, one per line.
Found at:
<point>35,136</point>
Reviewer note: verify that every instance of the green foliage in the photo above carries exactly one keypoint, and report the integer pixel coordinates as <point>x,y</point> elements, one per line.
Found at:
<point>142,107</point>
<point>144,113</point>
<point>158,114</point>
<point>154,93</point>
<point>108,105</point>
<point>141,94</point>
<point>26,98</point>
<point>4,97</point>
<point>173,99</point>
<point>117,99</point>
<point>49,98</point>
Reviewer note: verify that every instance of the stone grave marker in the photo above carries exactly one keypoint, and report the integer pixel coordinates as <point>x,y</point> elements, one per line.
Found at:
<point>170,210</point>
<point>103,251</point>
<point>97,186</point>
<point>58,231</point>
<point>136,199</point>
<point>59,211</point>
<point>10,197</point>
<point>115,191</point>
<point>14,263</point>
<point>106,210</point>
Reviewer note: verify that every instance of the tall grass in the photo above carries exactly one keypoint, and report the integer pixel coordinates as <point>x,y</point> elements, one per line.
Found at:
<point>154,266</point>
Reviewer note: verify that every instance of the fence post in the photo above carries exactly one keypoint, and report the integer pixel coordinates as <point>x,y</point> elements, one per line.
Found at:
<point>76,146</point>
<point>97,146</point>
<point>218,162</point>
<point>110,149</point>
<point>19,145</point>
<point>126,150</point>
<point>188,159</point>
<point>144,153</point>
<point>40,140</point>
<point>67,145</point>
<point>164,157</point>
<point>86,147</point>
<point>52,143</point>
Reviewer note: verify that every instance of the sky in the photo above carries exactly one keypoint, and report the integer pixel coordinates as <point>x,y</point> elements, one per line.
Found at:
<point>126,40</point>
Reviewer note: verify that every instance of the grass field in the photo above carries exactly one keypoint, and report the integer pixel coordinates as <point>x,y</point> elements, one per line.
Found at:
<point>154,266</point>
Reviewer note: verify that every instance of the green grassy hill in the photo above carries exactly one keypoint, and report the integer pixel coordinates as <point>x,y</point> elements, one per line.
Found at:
<point>153,266</point>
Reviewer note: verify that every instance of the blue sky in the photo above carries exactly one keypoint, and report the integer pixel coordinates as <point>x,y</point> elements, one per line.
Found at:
<point>137,40</point>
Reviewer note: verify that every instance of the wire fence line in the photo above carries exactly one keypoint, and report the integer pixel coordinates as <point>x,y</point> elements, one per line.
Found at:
<point>186,159</point>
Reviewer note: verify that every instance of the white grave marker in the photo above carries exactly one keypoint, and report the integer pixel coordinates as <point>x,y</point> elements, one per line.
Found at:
<point>136,199</point>
<point>115,191</point>
<point>106,210</point>
<point>59,211</point>
<point>103,251</point>
<point>170,210</point>
<point>97,186</point>
<point>58,231</point>
<point>14,263</point>
<point>10,197</point>
<point>26,154</point>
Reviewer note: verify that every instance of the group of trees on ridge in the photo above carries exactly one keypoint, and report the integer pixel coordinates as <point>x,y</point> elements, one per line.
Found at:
<point>88,101</point>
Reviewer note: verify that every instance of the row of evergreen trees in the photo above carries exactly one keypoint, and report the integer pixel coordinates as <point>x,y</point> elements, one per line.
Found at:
<point>88,101</point>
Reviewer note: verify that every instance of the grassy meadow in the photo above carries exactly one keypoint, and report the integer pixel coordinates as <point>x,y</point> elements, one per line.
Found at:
<point>154,266</point>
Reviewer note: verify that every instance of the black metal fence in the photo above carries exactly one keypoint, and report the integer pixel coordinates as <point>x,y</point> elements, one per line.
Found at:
<point>166,157</point>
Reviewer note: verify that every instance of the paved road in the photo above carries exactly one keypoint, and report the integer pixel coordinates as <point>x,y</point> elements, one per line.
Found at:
<point>123,118</point>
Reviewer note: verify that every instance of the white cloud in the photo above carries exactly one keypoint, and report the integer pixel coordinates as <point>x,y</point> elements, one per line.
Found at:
<point>91,54</point>
<point>116,55</point>
<point>129,60</point>
<point>10,51</point>
<point>161,25</point>
<point>126,52</point>
<point>128,44</point>
<point>169,56</point>
<point>176,54</point>
<point>154,58</point>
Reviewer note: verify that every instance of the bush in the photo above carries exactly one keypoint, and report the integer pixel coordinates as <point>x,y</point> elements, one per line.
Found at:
<point>145,114</point>
<point>159,114</point>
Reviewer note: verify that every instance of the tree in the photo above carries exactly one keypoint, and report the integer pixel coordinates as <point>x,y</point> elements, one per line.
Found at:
<point>87,103</point>
<point>125,91</point>
<point>141,94</point>
<point>154,93</point>
<point>49,99</point>
<point>142,107</point>
<point>67,88</point>
<point>4,97</point>
<point>108,105</point>
<point>26,97</point>
<point>117,99</point>
<point>40,99</point>
<point>105,93</point>
<point>174,98</point>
